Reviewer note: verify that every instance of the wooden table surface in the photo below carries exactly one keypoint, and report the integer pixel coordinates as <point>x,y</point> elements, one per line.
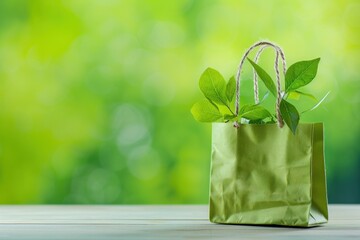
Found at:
<point>156,222</point>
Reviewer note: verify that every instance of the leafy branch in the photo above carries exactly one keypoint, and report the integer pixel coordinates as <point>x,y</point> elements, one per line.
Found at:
<point>219,95</point>
<point>298,75</point>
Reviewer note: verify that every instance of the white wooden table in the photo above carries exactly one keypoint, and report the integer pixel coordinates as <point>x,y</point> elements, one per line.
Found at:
<point>156,222</point>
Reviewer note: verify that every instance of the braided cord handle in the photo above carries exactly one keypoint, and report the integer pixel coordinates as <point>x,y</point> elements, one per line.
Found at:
<point>278,52</point>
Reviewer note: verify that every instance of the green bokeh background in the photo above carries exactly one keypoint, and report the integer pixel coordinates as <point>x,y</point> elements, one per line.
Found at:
<point>95,95</point>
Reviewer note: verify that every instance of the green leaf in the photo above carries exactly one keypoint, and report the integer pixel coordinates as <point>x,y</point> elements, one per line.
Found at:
<point>307,95</point>
<point>297,94</point>
<point>254,112</point>
<point>293,95</point>
<point>230,88</point>
<point>316,105</point>
<point>290,115</point>
<point>265,77</point>
<point>224,109</point>
<point>300,74</point>
<point>228,117</point>
<point>213,86</point>
<point>205,111</point>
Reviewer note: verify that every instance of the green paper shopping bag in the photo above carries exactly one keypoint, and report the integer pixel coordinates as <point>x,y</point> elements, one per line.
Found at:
<point>261,174</point>
<point>266,173</point>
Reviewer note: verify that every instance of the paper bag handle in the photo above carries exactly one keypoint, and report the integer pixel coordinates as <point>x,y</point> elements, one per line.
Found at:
<point>278,51</point>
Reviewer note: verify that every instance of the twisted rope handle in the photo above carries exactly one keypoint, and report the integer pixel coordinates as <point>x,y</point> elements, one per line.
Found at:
<point>256,59</point>
<point>278,52</point>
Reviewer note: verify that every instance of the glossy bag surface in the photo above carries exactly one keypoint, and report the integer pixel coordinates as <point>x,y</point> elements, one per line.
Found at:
<point>263,174</point>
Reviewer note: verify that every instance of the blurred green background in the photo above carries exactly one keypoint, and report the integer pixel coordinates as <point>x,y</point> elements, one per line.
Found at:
<point>95,94</point>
